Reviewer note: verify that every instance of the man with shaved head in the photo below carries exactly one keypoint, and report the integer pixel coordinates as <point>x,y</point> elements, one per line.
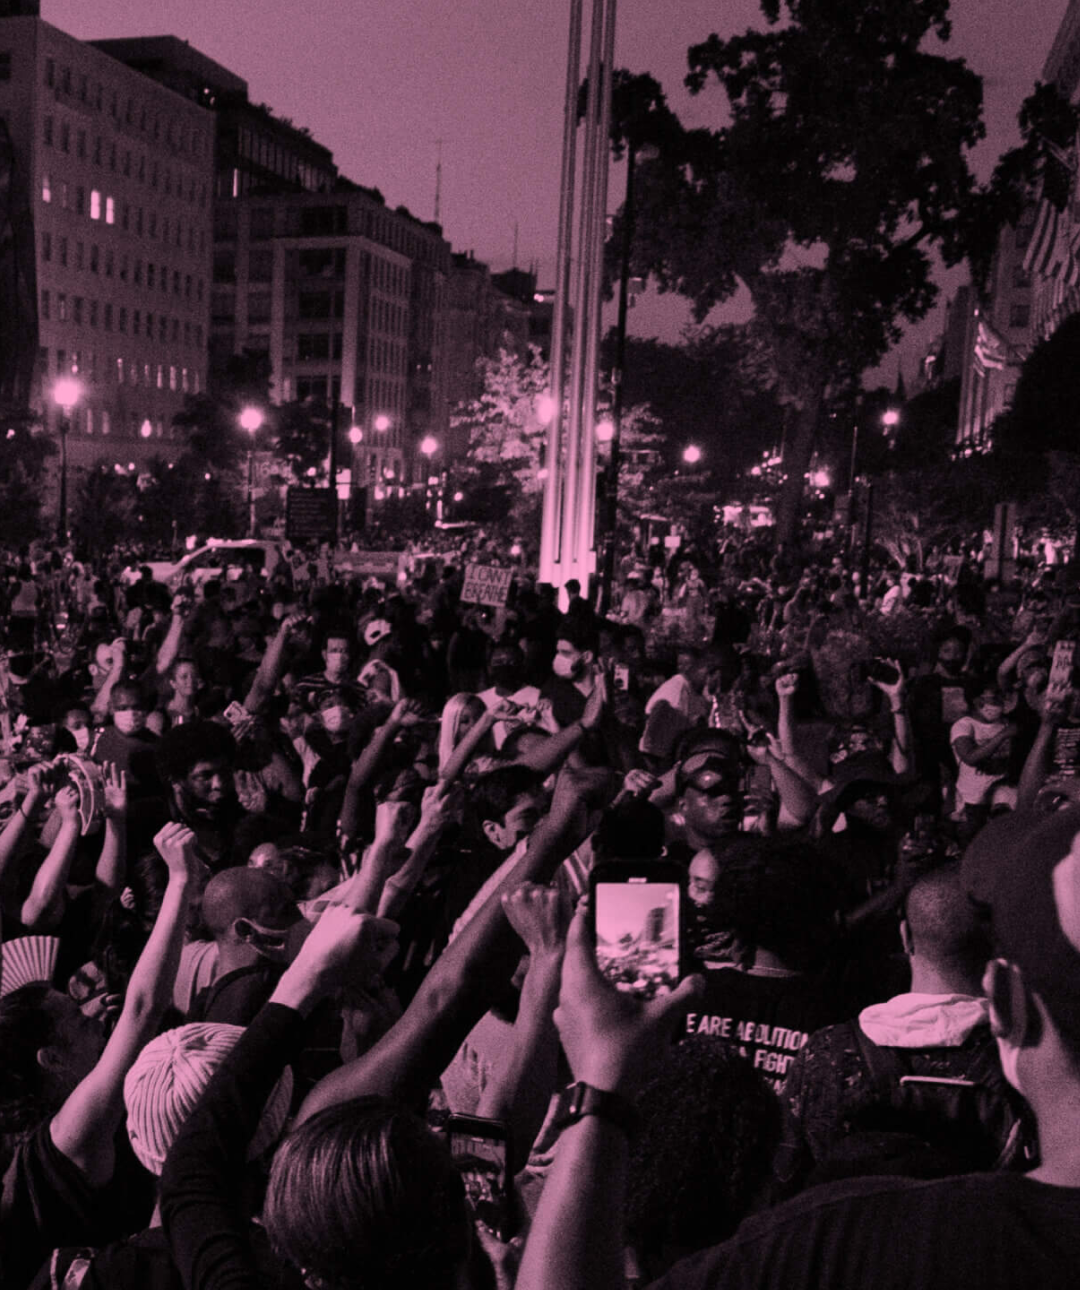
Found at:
<point>257,929</point>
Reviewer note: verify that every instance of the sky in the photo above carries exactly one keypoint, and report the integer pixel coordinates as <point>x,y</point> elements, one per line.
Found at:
<point>382,83</point>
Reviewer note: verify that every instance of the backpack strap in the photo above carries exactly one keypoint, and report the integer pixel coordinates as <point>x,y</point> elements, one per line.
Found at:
<point>885,1066</point>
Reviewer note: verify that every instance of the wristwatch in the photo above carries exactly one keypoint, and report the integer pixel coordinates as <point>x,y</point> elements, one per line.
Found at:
<point>582,1100</point>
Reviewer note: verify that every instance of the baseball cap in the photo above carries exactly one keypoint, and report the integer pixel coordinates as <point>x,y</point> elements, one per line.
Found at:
<point>376,630</point>
<point>1023,871</point>
<point>713,759</point>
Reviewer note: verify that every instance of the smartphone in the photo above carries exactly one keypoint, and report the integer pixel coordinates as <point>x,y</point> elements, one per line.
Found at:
<point>481,1151</point>
<point>638,913</point>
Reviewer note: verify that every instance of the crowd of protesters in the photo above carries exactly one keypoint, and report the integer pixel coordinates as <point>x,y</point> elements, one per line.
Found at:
<point>294,876</point>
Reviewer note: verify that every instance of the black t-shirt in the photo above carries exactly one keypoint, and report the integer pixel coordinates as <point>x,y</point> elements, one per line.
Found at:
<point>767,1018</point>
<point>48,1202</point>
<point>995,1231</point>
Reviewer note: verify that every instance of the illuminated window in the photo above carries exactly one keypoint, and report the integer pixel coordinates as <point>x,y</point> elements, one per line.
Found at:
<point>106,426</point>
<point>184,379</point>
<point>61,306</point>
<point>95,204</point>
<point>46,189</point>
<point>119,376</point>
<point>110,211</point>
<point>160,376</point>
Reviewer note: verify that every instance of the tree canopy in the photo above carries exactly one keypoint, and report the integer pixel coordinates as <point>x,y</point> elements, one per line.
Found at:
<point>841,163</point>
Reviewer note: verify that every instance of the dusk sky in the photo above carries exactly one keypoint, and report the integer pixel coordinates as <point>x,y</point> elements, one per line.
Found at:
<point>379,83</point>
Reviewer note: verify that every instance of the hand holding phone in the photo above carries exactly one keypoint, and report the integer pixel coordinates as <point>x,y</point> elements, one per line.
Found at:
<point>481,1151</point>
<point>638,921</point>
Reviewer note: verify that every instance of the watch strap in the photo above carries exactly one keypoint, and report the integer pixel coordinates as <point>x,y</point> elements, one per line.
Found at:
<point>583,1099</point>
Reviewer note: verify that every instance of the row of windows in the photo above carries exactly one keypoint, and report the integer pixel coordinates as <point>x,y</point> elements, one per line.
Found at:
<point>103,209</point>
<point>386,315</point>
<point>128,372</point>
<point>108,263</point>
<point>270,154</point>
<point>177,134</point>
<point>172,184</point>
<point>90,311</point>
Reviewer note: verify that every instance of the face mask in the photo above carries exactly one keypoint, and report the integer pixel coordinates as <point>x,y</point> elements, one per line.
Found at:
<point>334,719</point>
<point>562,666</point>
<point>128,721</point>
<point>82,738</point>
<point>506,677</point>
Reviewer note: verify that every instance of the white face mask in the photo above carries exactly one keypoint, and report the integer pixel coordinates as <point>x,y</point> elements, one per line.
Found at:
<point>129,721</point>
<point>564,667</point>
<point>82,738</point>
<point>334,719</point>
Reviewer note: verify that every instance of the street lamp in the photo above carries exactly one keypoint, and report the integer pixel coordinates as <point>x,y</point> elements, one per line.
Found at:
<point>356,435</point>
<point>890,419</point>
<point>250,420</point>
<point>429,446</point>
<point>691,454</point>
<point>66,393</point>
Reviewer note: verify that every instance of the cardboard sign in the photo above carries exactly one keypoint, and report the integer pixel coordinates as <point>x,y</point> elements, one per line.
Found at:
<point>486,585</point>
<point>310,513</point>
<point>1061,670</point>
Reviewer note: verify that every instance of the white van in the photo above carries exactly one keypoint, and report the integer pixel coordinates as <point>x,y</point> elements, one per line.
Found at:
<point>221,559</point>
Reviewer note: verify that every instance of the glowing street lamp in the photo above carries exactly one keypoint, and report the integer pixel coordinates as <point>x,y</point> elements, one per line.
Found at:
<point>890,419</point>
<point>545,409</point>
<point>605,430</point>
<point>382,422</point>
<point>691,454</point>
<point>66,393</point>
<point>356,435</point>
<point>429,446</point>
<point>250,420</point>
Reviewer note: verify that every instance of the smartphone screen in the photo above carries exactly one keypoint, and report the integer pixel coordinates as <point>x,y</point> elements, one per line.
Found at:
<point>638,924</point>
<point>479,1150</point>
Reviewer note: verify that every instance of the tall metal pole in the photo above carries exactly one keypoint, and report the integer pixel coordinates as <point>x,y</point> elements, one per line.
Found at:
<point>553,460</point>
<point>334,403</point>
<point>611,507</point>
<point>251,490</point>
<point>61,520</point>
<point>586,541</point>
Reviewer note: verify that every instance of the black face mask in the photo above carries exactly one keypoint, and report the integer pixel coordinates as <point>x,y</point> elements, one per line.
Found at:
<point>505,676</point>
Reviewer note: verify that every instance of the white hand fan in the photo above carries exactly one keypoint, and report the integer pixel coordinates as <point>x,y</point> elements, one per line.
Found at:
<point>26,961</point>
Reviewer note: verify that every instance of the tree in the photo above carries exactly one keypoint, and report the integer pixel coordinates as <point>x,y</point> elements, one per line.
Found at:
<point>25,451</point>
<point>504,425</point>
<point>843,163</point>
<point>301,438</point>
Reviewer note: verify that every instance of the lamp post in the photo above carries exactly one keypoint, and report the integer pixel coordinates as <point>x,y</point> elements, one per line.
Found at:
<point>66,394</point>
<point>250,420</point>
<point>429,447</point>
<point>691,454</point>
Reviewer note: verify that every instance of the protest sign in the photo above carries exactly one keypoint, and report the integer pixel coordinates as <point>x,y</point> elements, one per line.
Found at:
<point>486,585</point>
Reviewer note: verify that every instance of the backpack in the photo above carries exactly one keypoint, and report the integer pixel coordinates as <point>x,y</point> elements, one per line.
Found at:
<point>933,1125</point>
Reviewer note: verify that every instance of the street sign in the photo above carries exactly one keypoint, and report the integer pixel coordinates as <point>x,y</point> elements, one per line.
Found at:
<point>310,514</point>
<point>486,585</point>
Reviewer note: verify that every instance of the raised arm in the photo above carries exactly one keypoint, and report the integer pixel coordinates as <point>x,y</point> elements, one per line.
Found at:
<point>21,819</point>
<point>467,977</point>
<point>170,646</point>
<point>526,1074</point>
<point>111,871</point>
<point>786,730</point>
<point>577,1238</point>
<point>367,764</point>
<point>100,705</point>
<point>900,748</point>
<point>272,665</point>
<point>84,1126</point>
<point>441,802</point>
<point>44,907</point>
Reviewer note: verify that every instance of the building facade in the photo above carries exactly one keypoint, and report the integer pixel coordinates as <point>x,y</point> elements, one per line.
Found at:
<point>347,299</point>
<point>116,175</point>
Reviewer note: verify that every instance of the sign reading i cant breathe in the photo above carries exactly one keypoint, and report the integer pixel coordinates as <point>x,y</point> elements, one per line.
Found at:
<point>486,585</point>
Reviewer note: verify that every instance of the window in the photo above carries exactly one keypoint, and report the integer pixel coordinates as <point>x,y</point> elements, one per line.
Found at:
<point>119,376</point>
<point>61,306</point>
<point>135,319</point>
<point>121,319</point>
<point>172,377</point>
<point>161,376</point>
<point>76,309</point>
<point>62,246</point>
<point>80,200</point>
<point>106,423</point>
<point>138,221</point>
<point>45,305</point>
<point>259,307</point>
<point>97,150</point>
<point>163,278</point>
<point>89,420</point>
<point>176,331</point>
<point>187,287</point>
<point>163,328</point>
<point>123,268</point>
<point>79,248</point>
<point>46,189</point>
<point>80,145</point>
<point>93,313</point>
<point>262,222</point>
<point>95,204</point>
<point>176,282</point>
<point>50,72</point>
<point>137,276</point>
<point>46,246</point>
<point>152,226</point>
<point>149,325</point>
<point>1020,316</point>
<point>107,316</point>
<point>184,379</point>
<point>150,270</point>
<point>312,345</point>
<point>108,262</point>
<point>125,216</point>
<point>48,131</point>
<point>94,257</point>
<point>112,157</point>
<point>64,194</point>
<point>65,137</point>
<point>110,210</point>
